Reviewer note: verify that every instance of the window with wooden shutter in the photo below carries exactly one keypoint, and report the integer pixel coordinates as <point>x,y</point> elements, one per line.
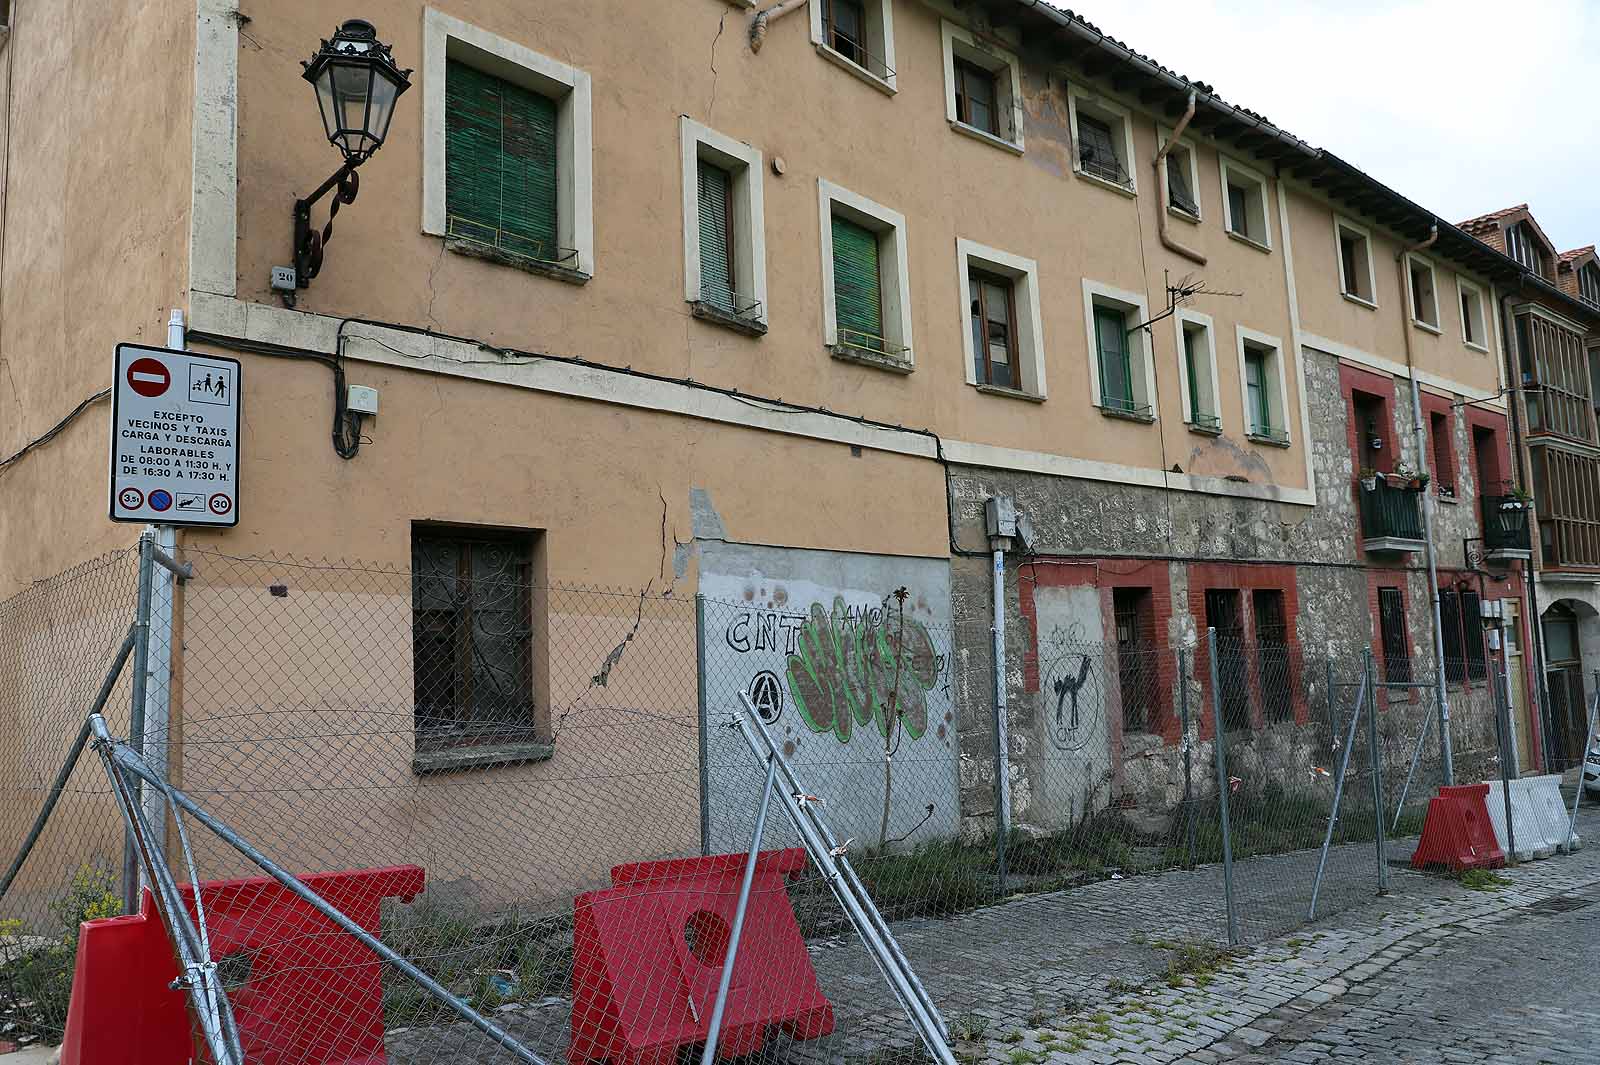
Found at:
<point>716,238</point>
<point>1116,363</point>
<point>857,286</point>
<point>501,167</point>
<point>1179,192</point>
<point>1255,383</point>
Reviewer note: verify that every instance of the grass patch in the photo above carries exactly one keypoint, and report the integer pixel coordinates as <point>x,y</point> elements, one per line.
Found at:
<point>1196,962</point>
<point>1482,880</point>
<point>1273,820</point>
<point>969,1027</point>
<point>36,969</point>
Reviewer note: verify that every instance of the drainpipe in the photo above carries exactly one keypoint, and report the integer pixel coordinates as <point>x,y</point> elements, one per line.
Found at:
<point>758,25</point>
<point>1161,183</point>
<point>1533,623</point>
<point>1420,435</point>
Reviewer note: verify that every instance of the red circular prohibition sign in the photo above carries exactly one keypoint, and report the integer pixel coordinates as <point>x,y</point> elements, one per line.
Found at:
<point>149,377</point>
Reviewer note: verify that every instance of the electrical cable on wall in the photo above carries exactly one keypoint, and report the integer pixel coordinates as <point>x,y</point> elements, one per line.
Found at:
<point>51,433</point>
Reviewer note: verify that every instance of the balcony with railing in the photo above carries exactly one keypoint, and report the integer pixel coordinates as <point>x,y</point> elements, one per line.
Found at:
<point>1506,533</point>
<point>1391,517</point>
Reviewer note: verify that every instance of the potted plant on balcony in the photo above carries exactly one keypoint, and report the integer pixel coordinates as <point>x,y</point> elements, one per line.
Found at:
<point>1369,479</point>
<point>1411,480</point>
<point>1516,499</point>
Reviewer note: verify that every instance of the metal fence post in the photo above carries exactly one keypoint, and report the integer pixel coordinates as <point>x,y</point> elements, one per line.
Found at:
<point>132,871</point>
<point>1220,746</point>
<point>1502,722</point>
<point>700,685</point>
<point>1002,755</point>
<point>1375,763</point>
<point>1188,752</point>
<point>1588,741</point>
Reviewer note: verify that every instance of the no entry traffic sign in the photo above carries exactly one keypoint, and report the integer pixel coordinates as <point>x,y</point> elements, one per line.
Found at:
<point>149,377</point>
<point>174,438</point>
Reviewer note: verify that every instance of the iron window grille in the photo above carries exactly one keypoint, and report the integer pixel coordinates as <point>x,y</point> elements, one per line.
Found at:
<point>1392,633</point>
<point>1179,193</point>
<point>1097,153</point>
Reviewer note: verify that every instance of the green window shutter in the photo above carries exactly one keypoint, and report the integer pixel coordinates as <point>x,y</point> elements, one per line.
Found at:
<point>1189,360</point>
<point>858,298</point>
<point>716,229</point>
<point>1255,373</point>
<point>1116,377</point>
<point>500,163</point>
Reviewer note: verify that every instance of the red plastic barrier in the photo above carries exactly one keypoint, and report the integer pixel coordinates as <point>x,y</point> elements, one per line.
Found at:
<point>648,953</point>
<point>1457,832</point>
<point>313,995</point>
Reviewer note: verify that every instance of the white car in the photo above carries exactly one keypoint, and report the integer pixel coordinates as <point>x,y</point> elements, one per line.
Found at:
<point>1591,771</point>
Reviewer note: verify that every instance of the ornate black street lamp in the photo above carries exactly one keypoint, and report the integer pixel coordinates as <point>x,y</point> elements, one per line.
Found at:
<point>357,84</point>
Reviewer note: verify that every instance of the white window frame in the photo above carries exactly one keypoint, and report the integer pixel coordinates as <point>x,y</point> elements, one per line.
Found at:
<point>1192,155</point>
<point>1280,410</point>
<point>959,43</point>
<point>1230,167</point>
<point>883,10</point>
<point>1463,288</point>
<point>446,37</point>
<point>1128,302</point>
<point>1415,260</point>
<point>894,278</point>
<point>1340,224</point>
<point>1184,318</point>
<point>1024,276</point>
<point>743,162</point>
<point>1115,115</point>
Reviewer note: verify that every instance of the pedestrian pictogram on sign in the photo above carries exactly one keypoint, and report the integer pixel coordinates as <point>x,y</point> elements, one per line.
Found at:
<point>174,437</point>
<point>149,377</point>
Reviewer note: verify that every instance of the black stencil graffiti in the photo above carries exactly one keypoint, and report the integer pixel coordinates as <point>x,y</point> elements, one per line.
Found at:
<point>1066,686</point>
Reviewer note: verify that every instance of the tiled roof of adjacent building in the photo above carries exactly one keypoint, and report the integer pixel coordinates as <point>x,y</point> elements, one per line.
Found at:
<point>1484,223</point>
<point>1567,257</point>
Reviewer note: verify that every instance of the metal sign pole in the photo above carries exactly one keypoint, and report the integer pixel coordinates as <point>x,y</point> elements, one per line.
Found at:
<point>1219,745</point>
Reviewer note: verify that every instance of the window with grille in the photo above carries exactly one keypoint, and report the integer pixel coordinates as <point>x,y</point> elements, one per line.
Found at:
<point>1097,150</point>
<point>1116,360</point>
<point>1472,635</point>
<point>1392,632</point>
<point>472,627</point>
<point>1137,662</point>
<point>977,97</point>
<point>501,165</point>
<point>1272,654</point>
<point>994,329</point>
<point>1567,487</point>
<point>1450,632</point>
<point>1180,186</point>
<point>1233,669</point>
<point>717,277</point>
<point>857,286</point>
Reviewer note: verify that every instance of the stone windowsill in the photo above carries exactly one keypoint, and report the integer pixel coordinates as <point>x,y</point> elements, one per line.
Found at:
<point>1265,249</point>
<point>837,58</point>
<point>1008,393</point>
<point>739,323</point>
<point>525,263</point>
<point>1129,415</point>
<point>479,756</point>
<point>867,357</point>
<point>986,137</point>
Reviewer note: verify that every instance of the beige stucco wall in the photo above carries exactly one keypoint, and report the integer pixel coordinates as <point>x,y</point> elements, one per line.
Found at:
<point>1381,331</point>
<point>94,250</point>
<point>788,102</point>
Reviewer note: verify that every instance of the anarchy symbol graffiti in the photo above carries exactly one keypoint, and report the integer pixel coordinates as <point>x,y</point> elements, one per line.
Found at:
<point>767,695</point>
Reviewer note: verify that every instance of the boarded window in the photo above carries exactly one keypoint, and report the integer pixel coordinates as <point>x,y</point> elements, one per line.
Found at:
<point>500,164</point>
<point>994,329</point>
<point>1444,454</point>
<point>471,610</point>
<point>716,237</point>
<point>857,285</point>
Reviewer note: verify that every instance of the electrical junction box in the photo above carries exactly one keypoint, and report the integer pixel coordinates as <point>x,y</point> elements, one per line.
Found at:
<point>1492,608</point>
<point>1000,516</point>
<point>283,279</point>
<point>362,399</point>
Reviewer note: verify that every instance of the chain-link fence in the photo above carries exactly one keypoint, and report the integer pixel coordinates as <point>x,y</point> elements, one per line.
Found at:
<point>534,797</point>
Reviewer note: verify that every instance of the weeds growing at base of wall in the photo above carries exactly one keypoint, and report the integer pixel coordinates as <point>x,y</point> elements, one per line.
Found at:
<point>36,971</point>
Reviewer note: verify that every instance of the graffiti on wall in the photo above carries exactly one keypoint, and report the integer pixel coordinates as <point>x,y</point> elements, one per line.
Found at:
<point>858,673</point>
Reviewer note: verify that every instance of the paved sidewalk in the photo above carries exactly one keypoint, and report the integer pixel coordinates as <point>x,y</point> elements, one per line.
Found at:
<point>1256,999</point>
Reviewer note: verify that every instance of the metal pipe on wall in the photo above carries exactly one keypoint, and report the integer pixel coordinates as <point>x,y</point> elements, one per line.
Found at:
<point>1420,436</point>
<point>1002,784</point>
<point>1167,239</point>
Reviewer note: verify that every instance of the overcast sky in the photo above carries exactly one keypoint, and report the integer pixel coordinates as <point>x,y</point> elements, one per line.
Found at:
<point>1406,90</point>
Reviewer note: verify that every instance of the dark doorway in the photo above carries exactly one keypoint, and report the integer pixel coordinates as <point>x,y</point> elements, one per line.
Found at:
<point>1233,673</point>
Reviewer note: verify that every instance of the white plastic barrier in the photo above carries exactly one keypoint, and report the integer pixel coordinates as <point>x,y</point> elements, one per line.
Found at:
<point>1538,815</point>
